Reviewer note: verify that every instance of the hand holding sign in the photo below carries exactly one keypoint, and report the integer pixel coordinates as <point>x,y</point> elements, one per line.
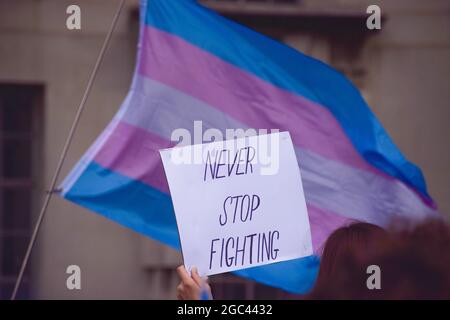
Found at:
<point>241,205</point>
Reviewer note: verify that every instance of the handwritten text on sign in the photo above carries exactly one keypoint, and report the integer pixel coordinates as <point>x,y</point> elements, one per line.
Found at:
<point>231,212</point>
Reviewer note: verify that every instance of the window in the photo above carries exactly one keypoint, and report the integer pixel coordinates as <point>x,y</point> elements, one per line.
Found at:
<point>19,107</point>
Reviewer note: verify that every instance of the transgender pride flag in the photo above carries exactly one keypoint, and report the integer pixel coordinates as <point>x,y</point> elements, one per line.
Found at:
<point>196,65</point>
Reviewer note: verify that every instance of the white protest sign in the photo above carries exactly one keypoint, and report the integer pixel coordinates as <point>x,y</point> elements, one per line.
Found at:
<point>238,203</point>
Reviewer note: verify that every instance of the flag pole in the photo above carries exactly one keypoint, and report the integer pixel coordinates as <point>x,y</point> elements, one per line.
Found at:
<point>65,149</point>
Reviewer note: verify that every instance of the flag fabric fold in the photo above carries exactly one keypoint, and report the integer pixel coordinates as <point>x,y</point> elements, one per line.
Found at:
<point>195,65</point>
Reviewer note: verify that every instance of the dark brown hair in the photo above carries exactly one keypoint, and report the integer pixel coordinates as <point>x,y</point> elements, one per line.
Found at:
<point>414,264</point>
<point>342,244</point>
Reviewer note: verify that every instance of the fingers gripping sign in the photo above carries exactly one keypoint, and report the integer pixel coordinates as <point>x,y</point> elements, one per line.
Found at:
<point>192,286</point>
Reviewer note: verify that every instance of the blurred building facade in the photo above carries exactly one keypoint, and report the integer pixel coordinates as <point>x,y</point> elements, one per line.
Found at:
<point>403,71</point>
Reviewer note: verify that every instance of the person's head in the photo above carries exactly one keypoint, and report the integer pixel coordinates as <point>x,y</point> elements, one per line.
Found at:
<point>412,264</point>
<point>343,243</point>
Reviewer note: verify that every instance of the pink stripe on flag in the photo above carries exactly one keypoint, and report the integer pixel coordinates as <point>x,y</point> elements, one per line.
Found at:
<point>134,152</point>
<point>247,98</point>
